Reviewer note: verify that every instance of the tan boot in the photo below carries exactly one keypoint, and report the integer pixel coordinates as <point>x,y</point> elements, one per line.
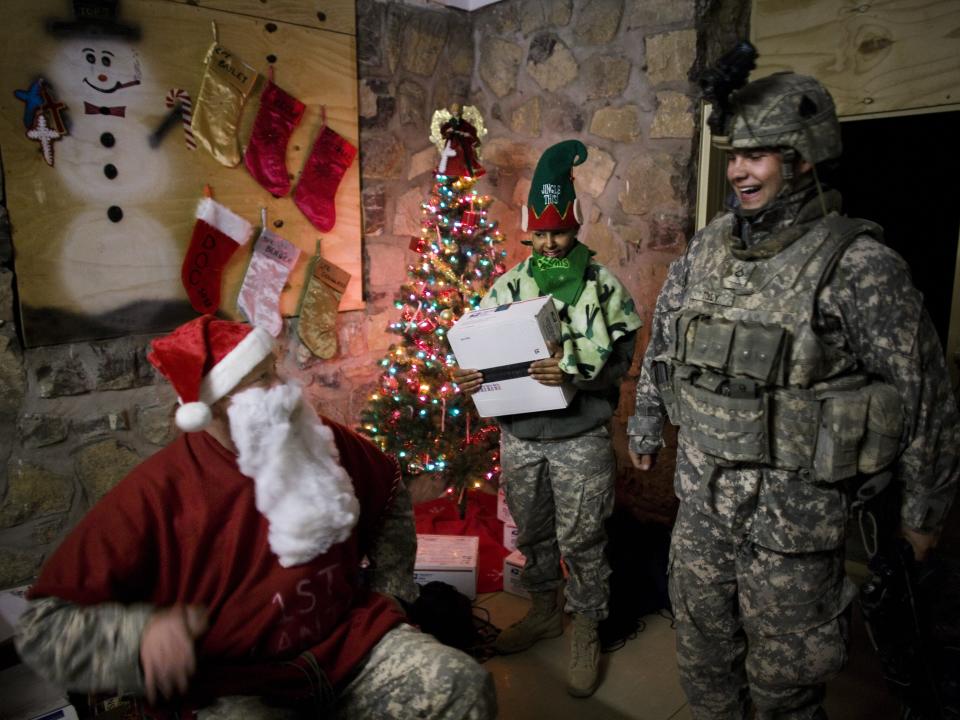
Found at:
<point>584,675</point>
<point>543,620</point>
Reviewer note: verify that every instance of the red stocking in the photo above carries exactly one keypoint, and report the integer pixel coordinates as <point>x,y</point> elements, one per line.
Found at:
<point>216,235</point>
<point>329,159</point>
<point>266,155</point>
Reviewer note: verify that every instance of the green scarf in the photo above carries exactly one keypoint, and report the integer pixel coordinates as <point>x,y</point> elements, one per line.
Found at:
<point>564,277</point>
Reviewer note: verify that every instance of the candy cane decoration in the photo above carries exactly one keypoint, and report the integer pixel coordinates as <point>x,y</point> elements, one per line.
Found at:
<point>174,96</point>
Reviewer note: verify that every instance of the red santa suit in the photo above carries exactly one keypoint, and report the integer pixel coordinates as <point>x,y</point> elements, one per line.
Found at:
<point>183,528</point>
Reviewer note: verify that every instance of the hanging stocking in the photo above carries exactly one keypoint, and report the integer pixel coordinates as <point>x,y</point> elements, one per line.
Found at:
<point>318,310</point>
<point>273,259</point>
<point>266,154</point>
<point>227,81</point>
<point>329,159</point>
<point>216,235</point>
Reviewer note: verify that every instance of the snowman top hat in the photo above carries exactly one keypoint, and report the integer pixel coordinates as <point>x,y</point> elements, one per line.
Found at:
<point>94,18</point>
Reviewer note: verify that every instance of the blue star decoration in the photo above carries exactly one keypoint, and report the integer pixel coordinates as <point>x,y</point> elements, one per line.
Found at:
<point>33,97</point>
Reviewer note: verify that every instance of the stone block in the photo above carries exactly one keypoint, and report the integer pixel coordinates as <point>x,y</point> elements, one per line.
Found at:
<point>155,423</point>
<point>388,262</point>
<point>674,119</point>
<point>619,124</point>
<point>460,49</point>
<point>34,491</point>
<point>122,363</point>
<point>550,62</point>
<point>592,176</point>
<point>422,162</point>
<point>599,21</point>
<point>605,76</point>
<point>6,294</point>
<point>667,231</point>
<point>374,201</point>
<point>102,465</point>
<point>47,530</point>
<point>41,430</point>
<point>562,115</point>
<point>407,214</point>
<point>525,119</point>
<point>649,183</point>
<point>12,379</point>
<point>395,18</point>
<point>499,63</point>
<point>370,16</point>
<point>534,15</point>
<point>450,89</point>
<point>509,155</point>
<point>18,567</point>
<point>61,373</point>
<point>670,56</point>
<point>424,37</point>
<point>600,238</point>
<point>412,102</point>
<point>382,157</point>
<point>643,14</point>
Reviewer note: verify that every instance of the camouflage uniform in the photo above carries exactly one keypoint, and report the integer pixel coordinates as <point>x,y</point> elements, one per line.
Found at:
<point>558,466</point>
<point>97,648</point>
<point>757,578</point>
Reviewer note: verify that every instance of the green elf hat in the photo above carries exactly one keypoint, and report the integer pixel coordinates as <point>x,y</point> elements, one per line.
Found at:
<point>552,203</point>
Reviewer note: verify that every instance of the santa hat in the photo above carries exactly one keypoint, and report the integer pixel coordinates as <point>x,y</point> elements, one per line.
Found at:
<point>552,203</point>
<point>204,360</point>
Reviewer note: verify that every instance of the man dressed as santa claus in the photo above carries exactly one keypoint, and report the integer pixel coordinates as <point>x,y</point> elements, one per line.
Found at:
<point>222,576</point>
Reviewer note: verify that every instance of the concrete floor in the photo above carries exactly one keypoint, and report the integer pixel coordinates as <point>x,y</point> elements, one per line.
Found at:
<point>640,680</point>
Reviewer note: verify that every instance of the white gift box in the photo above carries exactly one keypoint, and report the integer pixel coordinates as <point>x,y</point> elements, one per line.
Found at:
<point>502,342</point>
<point>503,512</point>
<point>512,567</point>
<point>448,558</point>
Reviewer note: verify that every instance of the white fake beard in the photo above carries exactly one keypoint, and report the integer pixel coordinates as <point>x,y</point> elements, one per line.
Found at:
<point>301,488</point>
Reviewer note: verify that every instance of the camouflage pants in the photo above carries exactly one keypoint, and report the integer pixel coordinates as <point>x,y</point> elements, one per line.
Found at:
<point>559,493</point>
<point>754,624</point>
<point>408,675</point>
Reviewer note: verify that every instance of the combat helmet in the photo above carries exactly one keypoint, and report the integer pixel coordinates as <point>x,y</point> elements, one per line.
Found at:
<point>784,110</point>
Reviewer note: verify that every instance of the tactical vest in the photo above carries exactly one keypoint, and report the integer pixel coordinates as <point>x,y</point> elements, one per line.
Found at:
<point>746,376</point>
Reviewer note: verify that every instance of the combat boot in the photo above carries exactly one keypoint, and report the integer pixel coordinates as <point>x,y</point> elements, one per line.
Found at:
<point>584,674</point>
<point>543,620</point>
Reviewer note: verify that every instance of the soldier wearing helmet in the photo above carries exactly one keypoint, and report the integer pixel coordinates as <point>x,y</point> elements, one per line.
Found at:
<point>792,350</point>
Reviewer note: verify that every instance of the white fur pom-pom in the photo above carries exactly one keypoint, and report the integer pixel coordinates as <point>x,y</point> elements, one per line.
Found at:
<point>193,416</point>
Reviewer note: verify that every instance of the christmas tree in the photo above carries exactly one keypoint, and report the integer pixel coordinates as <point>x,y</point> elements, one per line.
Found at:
<point>417,413</point>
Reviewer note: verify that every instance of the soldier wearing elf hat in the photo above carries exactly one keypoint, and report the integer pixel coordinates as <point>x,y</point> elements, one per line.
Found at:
<point>791,348</point>
<point>558,466</point>
<point>222,576</point>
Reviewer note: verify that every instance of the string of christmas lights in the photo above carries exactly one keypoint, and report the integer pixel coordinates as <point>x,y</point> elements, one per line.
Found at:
<point>418,413</point>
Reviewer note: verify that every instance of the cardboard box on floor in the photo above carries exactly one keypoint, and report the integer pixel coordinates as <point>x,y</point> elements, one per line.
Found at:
<point>448,558</point>
<point>512,567</point>
<point>503,342</point>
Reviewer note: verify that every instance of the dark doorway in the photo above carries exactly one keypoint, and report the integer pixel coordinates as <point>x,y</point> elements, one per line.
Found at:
<point>904,173</point>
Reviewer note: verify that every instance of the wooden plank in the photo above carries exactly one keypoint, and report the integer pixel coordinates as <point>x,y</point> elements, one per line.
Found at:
<point>68,257</point>
<point>874,57</point>
<point>333,15</point>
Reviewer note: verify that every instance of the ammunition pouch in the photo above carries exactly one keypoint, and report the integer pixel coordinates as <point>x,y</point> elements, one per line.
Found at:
<point>836,430</point>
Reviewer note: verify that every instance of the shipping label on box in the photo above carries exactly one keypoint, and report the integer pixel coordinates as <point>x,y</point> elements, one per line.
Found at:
<point>512,569</point>
<point>448,558</point>
<point>510,536</point>
<point>502,342</point>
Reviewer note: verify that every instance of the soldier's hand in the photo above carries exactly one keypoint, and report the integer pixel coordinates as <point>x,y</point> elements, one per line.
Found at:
<point>922,543</point>
<point>548,372</point>
<point>642,462</point>
<point>167,650</point>
<point>468,379</point>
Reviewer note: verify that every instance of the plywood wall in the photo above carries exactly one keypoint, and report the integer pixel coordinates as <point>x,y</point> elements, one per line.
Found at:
<point>873,56</point>
<point>82,275</point>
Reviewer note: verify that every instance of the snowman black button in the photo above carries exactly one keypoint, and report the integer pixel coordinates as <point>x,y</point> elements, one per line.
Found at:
<point>115,213</point>
<point>107,139</point>
<point>110,170</point>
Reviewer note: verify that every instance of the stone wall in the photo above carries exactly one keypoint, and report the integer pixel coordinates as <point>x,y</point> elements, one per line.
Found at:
<point>614,73</point>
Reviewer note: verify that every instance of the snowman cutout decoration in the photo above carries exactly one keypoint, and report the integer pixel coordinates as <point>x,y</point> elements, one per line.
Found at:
<point>117,261</point>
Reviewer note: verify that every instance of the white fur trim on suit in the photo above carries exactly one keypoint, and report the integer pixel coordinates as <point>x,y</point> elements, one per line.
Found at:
<point>224,220</point>
<point>225,375</point>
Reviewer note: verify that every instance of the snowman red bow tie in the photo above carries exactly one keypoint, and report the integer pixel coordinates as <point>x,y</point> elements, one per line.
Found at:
<point>91,109</point>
